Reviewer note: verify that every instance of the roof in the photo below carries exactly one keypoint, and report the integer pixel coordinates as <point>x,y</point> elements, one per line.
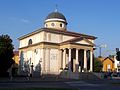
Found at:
<point>56,15</point>
<point>109,59</point>
<point>68,33</point>
<point>78,39</point>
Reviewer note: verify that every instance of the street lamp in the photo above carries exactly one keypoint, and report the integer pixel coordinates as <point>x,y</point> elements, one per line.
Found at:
<point>100,48</point>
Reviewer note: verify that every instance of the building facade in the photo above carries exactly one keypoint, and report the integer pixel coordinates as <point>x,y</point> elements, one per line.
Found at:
<point>108,64</point>
<point>53,49</point>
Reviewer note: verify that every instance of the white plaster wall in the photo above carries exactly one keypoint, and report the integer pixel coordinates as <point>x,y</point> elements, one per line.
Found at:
<point>57,38</point>
<point>33,57</point>
<point>54,60</point>
<point>42,36</point>
<point>65,38</point>
<point>37,59</point>
<point>54,38</point>
<point>23,43</point>
<point>37,56</point>
<point>41,59</point>
<point>25,56</point>
<point>47,60</point>
<point>35,39</point>
<point>30,56</point>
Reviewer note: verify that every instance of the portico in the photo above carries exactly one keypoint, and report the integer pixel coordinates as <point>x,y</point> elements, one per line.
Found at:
<point>77,59</point>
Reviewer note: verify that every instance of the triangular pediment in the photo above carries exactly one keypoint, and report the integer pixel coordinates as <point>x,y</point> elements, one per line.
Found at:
<point>83,42</point>
<point>80,40</point>
<point>86,42</point>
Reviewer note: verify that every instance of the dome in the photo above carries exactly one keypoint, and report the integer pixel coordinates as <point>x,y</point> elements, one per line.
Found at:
<point>56,16</point>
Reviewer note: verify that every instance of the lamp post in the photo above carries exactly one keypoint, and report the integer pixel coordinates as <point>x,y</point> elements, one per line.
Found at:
<point>100,49</point>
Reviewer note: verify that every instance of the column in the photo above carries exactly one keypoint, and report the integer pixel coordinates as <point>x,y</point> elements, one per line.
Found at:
<point>64,58</point>
<point>85,60</point>
<point>77,62</point>
<point>91,60</point>
<point>69,64</point>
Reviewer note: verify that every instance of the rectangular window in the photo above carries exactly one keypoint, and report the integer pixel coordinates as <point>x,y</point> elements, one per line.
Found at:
<point>108,66</point>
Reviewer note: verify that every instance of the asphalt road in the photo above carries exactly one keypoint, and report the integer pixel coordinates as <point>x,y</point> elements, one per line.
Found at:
<point>105,84</point>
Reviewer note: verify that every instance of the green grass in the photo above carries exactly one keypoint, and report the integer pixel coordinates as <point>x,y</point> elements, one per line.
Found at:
<point>36,89</point>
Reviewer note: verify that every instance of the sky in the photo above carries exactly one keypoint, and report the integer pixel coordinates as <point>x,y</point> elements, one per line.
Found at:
<point>100,18</point>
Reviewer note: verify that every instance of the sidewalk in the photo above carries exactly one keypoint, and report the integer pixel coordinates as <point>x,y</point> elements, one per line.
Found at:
<point>34,79</point>
<point>56,79</point>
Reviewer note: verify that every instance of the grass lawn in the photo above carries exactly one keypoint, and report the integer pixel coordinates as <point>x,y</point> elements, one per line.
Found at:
<point>37,89</point>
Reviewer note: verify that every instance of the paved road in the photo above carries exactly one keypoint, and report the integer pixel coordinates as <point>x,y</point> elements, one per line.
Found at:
<point>62,83</point>
<point>35,84</point>
<point>83,85</point>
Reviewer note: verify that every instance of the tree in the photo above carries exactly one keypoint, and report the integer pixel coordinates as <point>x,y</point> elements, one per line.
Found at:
<point>6,54</point>
<point>97,65</point>
<point>118,55</point>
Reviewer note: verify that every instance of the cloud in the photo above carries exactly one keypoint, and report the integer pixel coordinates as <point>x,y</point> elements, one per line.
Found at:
<point>18,19</point>
<point>24,20</point>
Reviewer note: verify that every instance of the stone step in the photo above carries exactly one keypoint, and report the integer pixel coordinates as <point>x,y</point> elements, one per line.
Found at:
<point>88,76</point>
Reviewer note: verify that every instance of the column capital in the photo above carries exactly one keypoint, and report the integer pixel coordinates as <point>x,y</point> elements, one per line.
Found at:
<point>63,48</point>
<point>77,48</point>
<point>70,48</point>
<point>91,50</point>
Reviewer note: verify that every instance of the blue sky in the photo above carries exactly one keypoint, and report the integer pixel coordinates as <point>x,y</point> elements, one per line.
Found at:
<point>100,18</point>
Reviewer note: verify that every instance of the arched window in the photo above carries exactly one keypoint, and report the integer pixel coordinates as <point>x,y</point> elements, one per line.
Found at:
<point>61,25</point>
<point>30,42</point>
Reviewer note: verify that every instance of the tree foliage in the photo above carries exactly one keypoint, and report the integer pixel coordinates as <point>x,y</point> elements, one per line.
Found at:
<point>97,65</point>
<point>6,54</point>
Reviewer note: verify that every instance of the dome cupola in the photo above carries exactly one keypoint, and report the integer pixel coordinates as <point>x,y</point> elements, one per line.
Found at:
<point>56,20</point>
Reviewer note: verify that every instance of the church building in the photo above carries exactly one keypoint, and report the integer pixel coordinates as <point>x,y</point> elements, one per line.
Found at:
<point>53,49</point>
